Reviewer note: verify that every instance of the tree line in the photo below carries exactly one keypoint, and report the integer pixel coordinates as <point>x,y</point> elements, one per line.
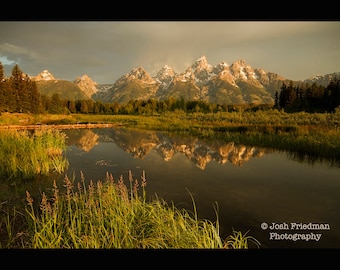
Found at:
<point>309,98</point>
<point>19,93</point>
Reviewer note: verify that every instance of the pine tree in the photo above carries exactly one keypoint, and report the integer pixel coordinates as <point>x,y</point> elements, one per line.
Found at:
<point>2,73</point>
<point>55,106</point>
<point>276,100</point>
<point>34,97</point>
<point>19,86</point>
<point>332,95</point>
<point>71,106</point>
<point>24,95</point>
<point>3,90</point>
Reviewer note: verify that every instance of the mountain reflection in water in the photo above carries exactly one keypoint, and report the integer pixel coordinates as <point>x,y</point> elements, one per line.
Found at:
<point>139,143</point>
<point>249,185</point>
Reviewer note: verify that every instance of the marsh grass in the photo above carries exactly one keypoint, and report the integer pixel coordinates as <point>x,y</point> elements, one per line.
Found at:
<point>239,241</point>
<point>308,135</point>
<point>25,154</point>
<point>113,214</point>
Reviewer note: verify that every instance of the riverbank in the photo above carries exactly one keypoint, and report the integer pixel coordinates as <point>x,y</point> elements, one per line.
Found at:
<point>56,126</point>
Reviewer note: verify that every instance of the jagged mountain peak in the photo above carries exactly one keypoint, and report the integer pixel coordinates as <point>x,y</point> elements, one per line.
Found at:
<point>322,79</point>
<point>220,67</point>
<point>165,74</point>
<point>87,85</point>
<point>200,61</point>
<point>201,69</point>
<point>166,67</point>
<point>139,74</point>
<point>83,77</point>
<point>239,63</point>
<point>45,75</point>
<point>241,70</point>
<point>203,58</point>
<point>201,64</point>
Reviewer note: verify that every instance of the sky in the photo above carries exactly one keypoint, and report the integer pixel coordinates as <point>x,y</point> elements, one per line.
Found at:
<point>107,50</point>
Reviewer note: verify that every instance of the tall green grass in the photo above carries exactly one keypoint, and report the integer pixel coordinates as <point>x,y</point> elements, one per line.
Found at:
<point>112,214</point>
<point>25,154</point>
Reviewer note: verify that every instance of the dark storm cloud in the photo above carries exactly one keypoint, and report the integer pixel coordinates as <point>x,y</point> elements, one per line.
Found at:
<point>107,50</point>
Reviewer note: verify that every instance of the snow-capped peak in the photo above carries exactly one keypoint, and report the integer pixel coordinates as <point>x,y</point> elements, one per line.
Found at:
<point>44,76</point>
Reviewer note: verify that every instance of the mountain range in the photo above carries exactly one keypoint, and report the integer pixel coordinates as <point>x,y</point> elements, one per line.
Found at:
<point>238,83</point>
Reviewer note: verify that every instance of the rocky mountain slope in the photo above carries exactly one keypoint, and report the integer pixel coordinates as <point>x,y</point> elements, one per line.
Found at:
<point>226,84</point>
<point>81,88</point>
<point>223,83</point>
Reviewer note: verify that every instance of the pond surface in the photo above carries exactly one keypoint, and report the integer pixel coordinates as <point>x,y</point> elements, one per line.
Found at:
<point>283,202</point>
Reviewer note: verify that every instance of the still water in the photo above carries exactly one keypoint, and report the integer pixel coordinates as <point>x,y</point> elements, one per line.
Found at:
<point>281,201</point>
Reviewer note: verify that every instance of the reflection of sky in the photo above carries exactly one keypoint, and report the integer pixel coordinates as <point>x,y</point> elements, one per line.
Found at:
<point>270,188</point>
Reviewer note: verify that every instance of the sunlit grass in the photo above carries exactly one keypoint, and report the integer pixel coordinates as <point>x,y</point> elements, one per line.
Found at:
<point>112,214</point>
<point>24,154</point>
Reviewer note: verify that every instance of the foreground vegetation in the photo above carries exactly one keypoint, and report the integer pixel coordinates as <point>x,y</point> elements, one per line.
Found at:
<point>112,214</point>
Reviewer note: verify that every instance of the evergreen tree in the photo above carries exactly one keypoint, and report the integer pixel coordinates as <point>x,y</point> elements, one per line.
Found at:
<point>45,103</point>
<point>84,106</point>
<point>2,73</point>
<point>332,95</point>
<point>56,105</point>
<point>3,90</point>
<point>16,84</point>
<point>71,106</point>
<point>34,97</point>
<point>276,100</point>
<point>287,96</point>
<point>282,96</point>
<point>24,95</point>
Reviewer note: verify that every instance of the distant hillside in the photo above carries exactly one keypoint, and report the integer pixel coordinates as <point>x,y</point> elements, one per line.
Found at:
<point>65,89</point>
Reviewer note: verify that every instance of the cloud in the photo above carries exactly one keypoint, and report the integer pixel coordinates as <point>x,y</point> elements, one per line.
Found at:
<point>14,53</point>
<point>106,50</point>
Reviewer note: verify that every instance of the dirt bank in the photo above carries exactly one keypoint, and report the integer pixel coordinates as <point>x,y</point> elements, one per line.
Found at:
<point>67,126</point>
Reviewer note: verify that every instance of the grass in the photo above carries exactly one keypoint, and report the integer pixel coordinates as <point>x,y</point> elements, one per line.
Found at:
<point>25,155</point>
<point>115,215</point>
